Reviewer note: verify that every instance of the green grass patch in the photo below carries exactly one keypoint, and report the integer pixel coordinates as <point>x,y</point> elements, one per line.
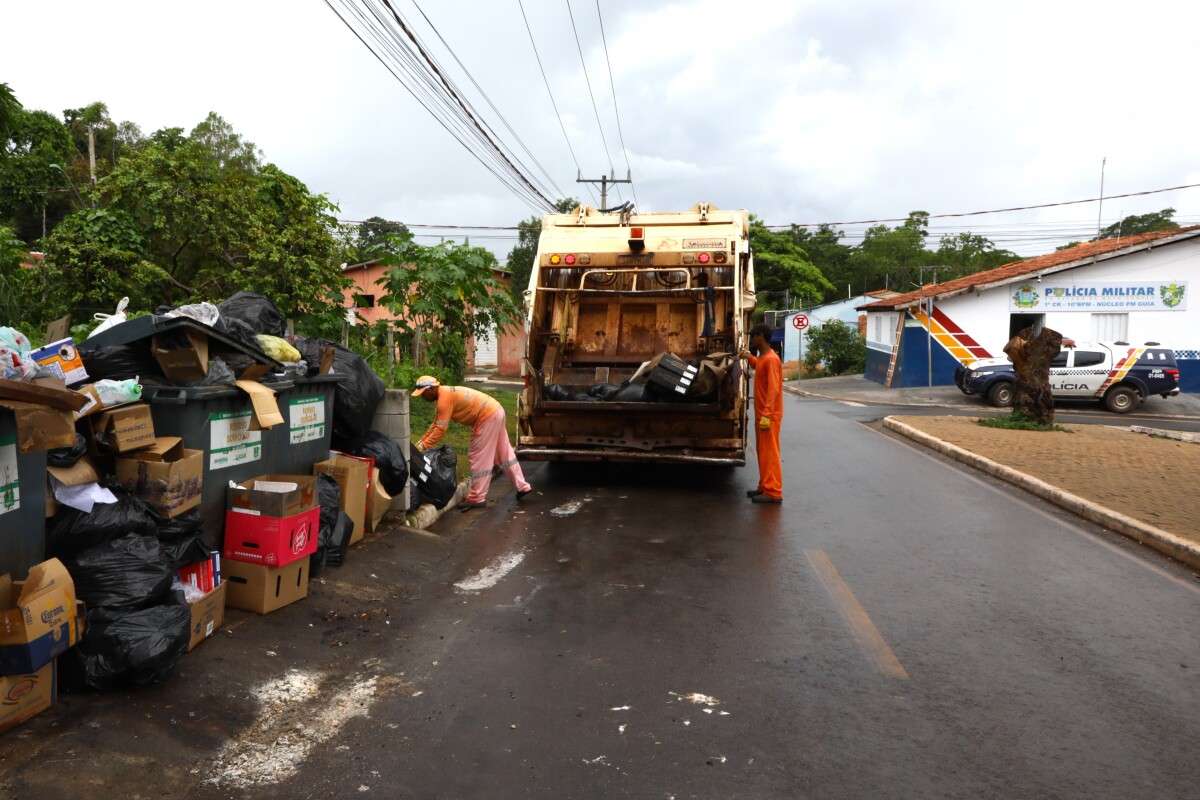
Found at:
<point>459,436</point>
<point>1019,422</point>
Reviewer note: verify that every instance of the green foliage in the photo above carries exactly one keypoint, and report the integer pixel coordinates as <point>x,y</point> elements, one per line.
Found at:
<point>93,259</point>
<point>1016,421</point>
<point>373,238</point>
<point>444,293</point>
<point>10,110</point>
<point>520,258</point>
<point>783,273</point>
<point>835,346</point>
<point>1140,223</point>
<point>35,152</point>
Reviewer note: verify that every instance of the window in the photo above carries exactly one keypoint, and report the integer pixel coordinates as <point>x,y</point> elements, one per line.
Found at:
<point>364,301</point>
<point>1088,358</point>
<point>1110,327</point>
<point>1060,360</point>
<point>881,328</point>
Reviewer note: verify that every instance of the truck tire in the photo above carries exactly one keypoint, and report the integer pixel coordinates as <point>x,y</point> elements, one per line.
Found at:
<point>1001,394</point>
<point>1121,399</point>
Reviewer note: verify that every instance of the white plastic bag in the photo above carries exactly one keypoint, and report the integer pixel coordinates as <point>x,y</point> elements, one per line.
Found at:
<point>204,313</point>
<point>16,361</point>
<point>110,320</point>
<point>114,393</point>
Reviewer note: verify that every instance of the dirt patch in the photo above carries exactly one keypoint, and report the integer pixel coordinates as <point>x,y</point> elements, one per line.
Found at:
<point>1150,479</point>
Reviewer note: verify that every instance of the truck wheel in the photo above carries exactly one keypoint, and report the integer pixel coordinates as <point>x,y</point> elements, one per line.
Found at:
<point>1001,394</point>
<point>1121,400</point>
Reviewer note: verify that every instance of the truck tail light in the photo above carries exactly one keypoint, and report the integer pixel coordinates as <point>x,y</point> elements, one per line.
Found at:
<point>569,259</point>
<point>703,258</point>
<point>1173,374</point>
<point>637,239</point>
<point>719,257</point>
<point>556,259</point>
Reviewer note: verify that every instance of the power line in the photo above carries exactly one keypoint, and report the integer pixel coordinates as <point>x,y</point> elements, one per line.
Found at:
<point>616,109</point>
<point>591,94</point>
<point>553,103</point>
<point>484,94</point>
<point>990,211</point>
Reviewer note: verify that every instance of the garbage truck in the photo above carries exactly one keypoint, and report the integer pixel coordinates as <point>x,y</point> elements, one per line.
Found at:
<point>634,325</point>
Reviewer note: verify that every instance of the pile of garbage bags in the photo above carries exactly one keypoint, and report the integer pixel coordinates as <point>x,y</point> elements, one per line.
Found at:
<point>123,558</point>
<point>434,475</point>
<point>664,379</point>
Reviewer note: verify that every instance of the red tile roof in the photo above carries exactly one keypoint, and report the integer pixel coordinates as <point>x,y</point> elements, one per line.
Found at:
<point>1049,261</point>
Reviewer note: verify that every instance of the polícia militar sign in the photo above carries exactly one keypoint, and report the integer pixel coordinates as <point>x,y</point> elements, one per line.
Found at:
<point>1142,295</point>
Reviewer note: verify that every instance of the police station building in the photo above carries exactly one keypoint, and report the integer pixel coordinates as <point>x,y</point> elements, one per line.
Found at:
<point>1136,289</point>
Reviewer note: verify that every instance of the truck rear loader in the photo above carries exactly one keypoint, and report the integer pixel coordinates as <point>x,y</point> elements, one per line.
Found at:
<point>611,291</point>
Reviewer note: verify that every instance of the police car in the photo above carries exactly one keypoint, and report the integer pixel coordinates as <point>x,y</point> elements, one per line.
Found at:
<point>1118,374</point>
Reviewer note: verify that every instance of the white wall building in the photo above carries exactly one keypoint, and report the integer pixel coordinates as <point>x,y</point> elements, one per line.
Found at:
<point>1137,289</point>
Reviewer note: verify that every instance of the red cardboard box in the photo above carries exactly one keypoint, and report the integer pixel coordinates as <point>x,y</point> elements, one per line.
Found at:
<point>271,541</point>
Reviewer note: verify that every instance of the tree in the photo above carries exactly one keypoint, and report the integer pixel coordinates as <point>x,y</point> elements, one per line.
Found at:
<point>374,236</point>
<point>443,294</point>
<point>1140,223</point>
<point>10,109</point>
<point>520,258</point>
<point>35,152</point>
<point>836,346</point>
<point>783,273</point>
<point>967,253</point>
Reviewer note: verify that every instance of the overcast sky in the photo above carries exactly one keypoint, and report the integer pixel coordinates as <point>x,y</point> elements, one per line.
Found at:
<point>798,111</point>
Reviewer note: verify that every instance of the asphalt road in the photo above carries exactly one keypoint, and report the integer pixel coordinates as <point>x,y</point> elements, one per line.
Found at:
<point>898,628</point>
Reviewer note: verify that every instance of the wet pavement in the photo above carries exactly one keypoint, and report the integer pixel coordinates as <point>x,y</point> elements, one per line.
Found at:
<point>900,627</point>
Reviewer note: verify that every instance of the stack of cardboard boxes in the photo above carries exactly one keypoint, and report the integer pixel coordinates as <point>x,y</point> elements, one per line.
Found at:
<point>39,621</point>
<point>271,527</point>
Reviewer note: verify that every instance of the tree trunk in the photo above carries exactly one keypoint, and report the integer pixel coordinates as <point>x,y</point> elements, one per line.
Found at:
<point>1031,356</point>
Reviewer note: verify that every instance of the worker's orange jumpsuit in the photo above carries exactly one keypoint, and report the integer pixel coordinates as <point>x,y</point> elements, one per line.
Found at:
<point>490,446</point>
<point>768,405</point>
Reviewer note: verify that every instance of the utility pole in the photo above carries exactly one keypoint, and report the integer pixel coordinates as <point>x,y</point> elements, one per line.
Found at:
<point>1100,211</point>
<point>92,152</point>
<point>604,181</point>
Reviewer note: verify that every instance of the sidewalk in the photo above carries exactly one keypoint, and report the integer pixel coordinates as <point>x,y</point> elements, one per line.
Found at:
<point>857,389</point>
<point>1149,479</point>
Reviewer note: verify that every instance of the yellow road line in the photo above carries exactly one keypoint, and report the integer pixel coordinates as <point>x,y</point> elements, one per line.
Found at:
<point>865,632</point>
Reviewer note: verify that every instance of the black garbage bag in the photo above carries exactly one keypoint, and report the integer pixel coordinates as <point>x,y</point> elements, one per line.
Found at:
<point>120,362</point>
<point>186,550</point>
<point>389,459</point>
<point>124,574</point>
<point>336,527</point>
<point>631,393</point>
<point>71,530</point>
<point>238,330</point>
<point>556,391</point>
<point>434,474</point>
<point>219,374</point>
<point>256,311</point>
<point>67,456</point>
<point>603,391</point>
<point>135,649</point>
<point>358,391</point>
<point>187,524</point>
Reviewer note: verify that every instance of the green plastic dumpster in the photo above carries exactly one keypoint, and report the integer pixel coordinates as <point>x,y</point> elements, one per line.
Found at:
<point>22,502</point>
<point>304,438</point>
<point>216,420</point>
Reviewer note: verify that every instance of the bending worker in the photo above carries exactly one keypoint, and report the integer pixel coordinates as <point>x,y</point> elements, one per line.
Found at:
<point>768,415</point>
<point>490,446</point>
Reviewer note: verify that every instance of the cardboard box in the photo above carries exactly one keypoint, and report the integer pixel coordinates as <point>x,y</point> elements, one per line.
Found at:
<point>262,589</point>
<point>379,502</point>
<point>261,495</point>
<point>181,355</point>
<point>208,614</point>
<point>273,541</point>
<point>126,428</point>
<point>38,618</point>
<point>262,401</point>
<point>166,475</point>
<point>64,359</point>
<point>23,697</point>
<point>353,476</point>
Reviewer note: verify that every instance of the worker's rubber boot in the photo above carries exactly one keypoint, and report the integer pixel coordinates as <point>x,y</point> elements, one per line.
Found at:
<point>767,499</point>
<point>753,493</point>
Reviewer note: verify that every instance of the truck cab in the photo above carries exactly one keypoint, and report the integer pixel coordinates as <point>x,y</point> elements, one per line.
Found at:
<point>608,294</point>
<point>1118,374</point>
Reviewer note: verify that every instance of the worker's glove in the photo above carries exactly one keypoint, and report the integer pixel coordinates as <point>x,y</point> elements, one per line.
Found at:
<point>420,448</point>
<point>764,423</point>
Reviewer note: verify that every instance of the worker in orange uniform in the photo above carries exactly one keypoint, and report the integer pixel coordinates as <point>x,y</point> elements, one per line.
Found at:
<point>490,446</point>
<point>768,415</point>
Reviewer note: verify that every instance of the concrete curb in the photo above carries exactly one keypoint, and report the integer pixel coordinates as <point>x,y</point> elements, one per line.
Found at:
<point>893,403</point>
<point>1163,541</point>
<point>1162,433</point>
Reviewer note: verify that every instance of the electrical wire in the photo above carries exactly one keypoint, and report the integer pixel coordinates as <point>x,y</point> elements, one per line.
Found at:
<point>616,109</point>
<point>591,94</point>
<point>553,103</point>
